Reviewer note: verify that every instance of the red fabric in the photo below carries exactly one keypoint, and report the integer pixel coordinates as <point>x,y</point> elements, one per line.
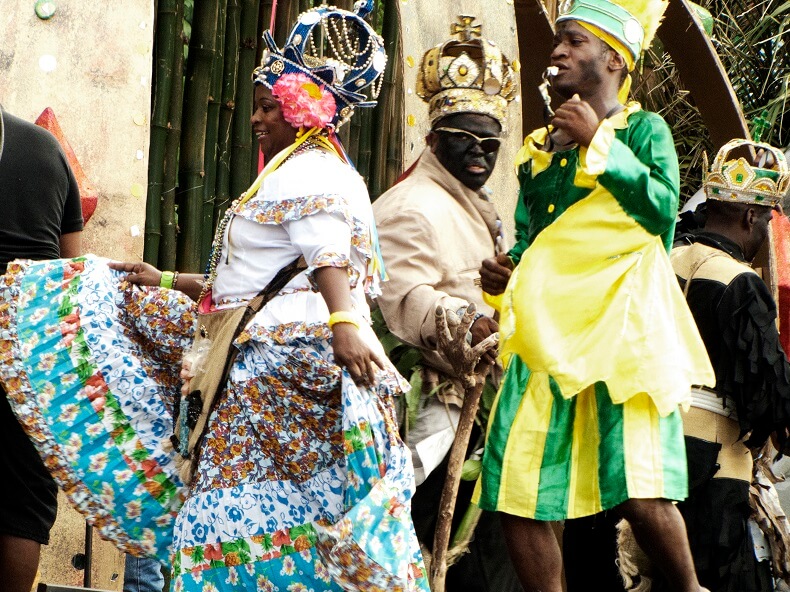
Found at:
<point>88,195</point>
<point>780,225</point>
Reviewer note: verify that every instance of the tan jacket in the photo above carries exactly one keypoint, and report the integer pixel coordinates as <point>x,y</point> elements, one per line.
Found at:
<point>434,233</point>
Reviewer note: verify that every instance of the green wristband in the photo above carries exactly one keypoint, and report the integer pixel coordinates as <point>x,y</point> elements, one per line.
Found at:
<point>166,281</point>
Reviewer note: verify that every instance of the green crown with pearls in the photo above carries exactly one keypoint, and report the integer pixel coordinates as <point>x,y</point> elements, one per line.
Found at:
<point>736,180</point>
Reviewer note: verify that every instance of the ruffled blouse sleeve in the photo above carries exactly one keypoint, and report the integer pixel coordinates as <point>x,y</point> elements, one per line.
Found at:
<point>323,205</point>
<point>325,241</point>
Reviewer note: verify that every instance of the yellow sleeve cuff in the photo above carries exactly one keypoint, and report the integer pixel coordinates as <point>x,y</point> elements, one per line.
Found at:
<point>592,159</point>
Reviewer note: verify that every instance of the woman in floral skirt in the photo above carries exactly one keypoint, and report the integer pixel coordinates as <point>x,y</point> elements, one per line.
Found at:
<point>301,482</point>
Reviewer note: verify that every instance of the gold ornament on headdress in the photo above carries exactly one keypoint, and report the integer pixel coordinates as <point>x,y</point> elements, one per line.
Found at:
<point>466,75</point>
<point>736,180</point>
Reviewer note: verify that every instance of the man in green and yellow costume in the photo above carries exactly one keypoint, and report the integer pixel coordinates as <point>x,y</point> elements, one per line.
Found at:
<point>599,346</point>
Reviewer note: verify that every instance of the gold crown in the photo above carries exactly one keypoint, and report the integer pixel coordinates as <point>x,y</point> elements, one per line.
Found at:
<point>737,181</point>
<point>466,75</point>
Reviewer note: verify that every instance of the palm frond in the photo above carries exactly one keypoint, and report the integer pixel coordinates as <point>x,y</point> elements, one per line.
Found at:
<point>752,38</point>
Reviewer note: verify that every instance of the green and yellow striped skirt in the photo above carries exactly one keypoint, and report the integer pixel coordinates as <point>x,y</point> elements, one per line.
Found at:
<point>551,458</point>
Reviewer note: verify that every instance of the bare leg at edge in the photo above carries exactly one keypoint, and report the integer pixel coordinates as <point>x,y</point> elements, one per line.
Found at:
<point>18,563</point>
<point>535,553</point>
<point>661,533</point>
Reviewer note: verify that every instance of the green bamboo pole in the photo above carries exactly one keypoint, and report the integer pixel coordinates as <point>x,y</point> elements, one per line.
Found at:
<point>212,136</point>
<point>167,246</point>
<point>350,134</point>
<point>264,20</point>
<point>228,107</point>
<point>200,62</point>
<point>283,20</point>
<point>386,115</point>
<point>241,146</point>
<point>394,139</point>
<point>163,77</point>
<point>365,119</point>
<point>395,98</point>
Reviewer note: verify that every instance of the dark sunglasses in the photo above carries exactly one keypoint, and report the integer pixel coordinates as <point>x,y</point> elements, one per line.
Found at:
<point>488,145</point>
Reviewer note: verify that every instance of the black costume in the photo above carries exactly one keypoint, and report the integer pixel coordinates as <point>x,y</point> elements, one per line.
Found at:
<point>735,314</point>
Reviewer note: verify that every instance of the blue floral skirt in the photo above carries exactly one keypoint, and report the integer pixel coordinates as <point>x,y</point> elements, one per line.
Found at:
<point>302,483</point>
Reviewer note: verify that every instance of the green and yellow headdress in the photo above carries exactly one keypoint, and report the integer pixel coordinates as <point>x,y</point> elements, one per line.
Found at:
<point>735,180</point>
<point>627,26</point>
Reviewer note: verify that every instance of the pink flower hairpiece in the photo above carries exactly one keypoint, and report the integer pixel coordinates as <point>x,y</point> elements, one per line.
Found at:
<point>303,103</point>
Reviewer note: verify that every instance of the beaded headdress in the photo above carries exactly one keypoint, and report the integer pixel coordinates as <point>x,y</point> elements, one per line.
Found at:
<point>735,180</point>
<point>336,50</point>
<point>628,25</point>
<point>467,74</point>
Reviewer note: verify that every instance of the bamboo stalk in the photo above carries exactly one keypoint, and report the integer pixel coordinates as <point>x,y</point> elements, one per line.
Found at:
<point>166,41</point>
<point>264,20</point>
<point>197,86</point>
<point>350,135</point>
<point>394,139</point>
<point>167,246</point>
<point>393,87</point>
<point>241,147</point>
<point>365,119</point>
<point>228,107</point>
<point>283,21</point>
<point>385,116</point>
<point>211,153</point>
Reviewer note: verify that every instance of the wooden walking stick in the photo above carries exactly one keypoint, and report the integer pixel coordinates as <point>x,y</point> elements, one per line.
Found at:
<point>451,333</point>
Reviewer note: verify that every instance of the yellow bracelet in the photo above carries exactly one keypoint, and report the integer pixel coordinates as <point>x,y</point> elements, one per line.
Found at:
<point>166,281</point>
<point>342,316</point>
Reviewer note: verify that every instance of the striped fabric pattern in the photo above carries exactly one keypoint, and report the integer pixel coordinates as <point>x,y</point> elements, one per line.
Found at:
<point>551,458</point>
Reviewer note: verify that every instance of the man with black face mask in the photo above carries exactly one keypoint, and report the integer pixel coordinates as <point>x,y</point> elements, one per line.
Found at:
<point>435,226</point>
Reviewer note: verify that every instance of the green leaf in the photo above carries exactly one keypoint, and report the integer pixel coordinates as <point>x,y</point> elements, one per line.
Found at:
<point>486,403</point>
<point>413,396</point>
<point>411,358</point>
<point>471,469</point>
<point>197,555</point>
<point>704,16</point>
<point>389,342</point>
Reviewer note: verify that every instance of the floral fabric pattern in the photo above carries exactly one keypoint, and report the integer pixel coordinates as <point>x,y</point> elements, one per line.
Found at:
<point>302,482</point>
<point>79,379</point>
